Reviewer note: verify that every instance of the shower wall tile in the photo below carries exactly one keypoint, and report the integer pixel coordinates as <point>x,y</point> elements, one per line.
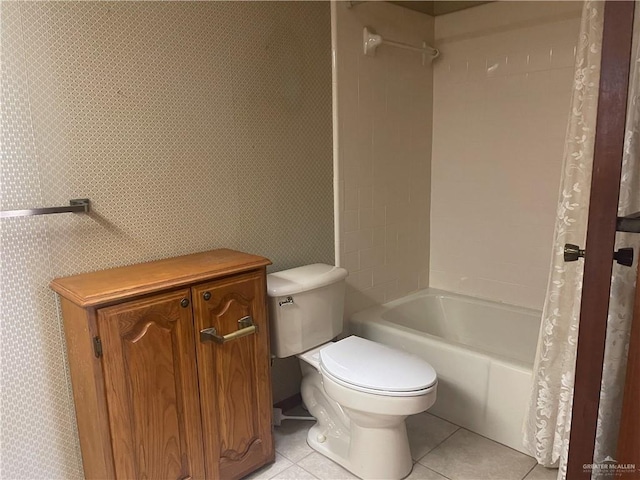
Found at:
<point>384,142</point>
<point>501,102</point>
<point>190,126</point>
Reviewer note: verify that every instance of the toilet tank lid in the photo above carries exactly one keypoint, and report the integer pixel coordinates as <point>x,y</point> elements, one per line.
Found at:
<point>302,279</point>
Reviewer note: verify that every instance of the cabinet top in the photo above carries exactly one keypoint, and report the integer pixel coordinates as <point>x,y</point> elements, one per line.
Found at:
<point>105,286</point>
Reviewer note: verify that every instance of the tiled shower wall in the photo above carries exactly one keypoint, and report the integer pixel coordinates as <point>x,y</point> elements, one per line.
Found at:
<point>501,103</point>
<point>190,126</point>
<point>384,140</point>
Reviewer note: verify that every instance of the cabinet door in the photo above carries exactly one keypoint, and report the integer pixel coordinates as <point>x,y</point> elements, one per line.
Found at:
<point>235,382</point>
<point>152,387</point>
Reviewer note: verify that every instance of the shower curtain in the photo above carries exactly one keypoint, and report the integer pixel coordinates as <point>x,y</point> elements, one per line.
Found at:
<point>546,429</point>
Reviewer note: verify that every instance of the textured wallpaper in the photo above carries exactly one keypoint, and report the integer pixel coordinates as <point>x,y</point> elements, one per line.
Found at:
<point>190,126</point>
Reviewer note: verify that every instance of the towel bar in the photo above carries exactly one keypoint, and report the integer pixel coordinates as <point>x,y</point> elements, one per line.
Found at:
<point>78,205</point>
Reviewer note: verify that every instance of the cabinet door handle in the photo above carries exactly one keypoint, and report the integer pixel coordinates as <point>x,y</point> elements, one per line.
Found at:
<point>246,327</point>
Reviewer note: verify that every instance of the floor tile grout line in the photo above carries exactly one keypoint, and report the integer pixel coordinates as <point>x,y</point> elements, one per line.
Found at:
<point>291,466</point>
<point>501,444</point>
<point>532,468</point>
<point>441,474</point>
<point>441,418</point>
<point>284,456</point>
<point>483,436</point>
<point>437,445</point>
<point>312,474</point>
<point>486,438</point>
<point>265,468</point>
<point>284,469</point>
<point>296,463</point>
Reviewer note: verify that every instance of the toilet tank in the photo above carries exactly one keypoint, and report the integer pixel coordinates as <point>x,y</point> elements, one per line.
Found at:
<point>306,307</point>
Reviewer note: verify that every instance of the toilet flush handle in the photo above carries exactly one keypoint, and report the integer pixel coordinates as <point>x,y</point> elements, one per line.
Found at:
<point>288,301</point>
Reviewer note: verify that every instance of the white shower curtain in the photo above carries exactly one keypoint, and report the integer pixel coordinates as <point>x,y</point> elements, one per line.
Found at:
<point>546,429</point>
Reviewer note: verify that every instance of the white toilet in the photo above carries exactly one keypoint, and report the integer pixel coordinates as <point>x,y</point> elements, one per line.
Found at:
<point>359,391</point>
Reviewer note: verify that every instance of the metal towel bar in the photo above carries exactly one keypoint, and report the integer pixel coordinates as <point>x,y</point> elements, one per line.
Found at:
<point>77,205</point>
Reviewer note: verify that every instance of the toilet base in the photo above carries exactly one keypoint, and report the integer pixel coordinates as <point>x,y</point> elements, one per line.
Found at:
<point>334,448</point>
<point>379,453</point>
<point>368,446</point>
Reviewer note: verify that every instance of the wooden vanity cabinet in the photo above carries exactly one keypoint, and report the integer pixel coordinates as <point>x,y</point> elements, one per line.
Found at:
<point>152,387</point>
<point>159,392</point>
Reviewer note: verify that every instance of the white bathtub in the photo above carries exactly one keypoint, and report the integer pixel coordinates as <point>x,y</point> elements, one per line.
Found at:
<point>482,351</point>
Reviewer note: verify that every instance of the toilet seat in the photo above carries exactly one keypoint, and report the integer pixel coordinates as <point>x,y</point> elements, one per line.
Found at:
<point>386,393</point>
<point>374,368</point>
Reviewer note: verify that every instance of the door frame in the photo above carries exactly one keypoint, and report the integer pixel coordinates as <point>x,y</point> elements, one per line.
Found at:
<point>601,232</point>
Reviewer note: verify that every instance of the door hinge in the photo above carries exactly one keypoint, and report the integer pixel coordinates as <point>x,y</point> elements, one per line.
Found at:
<point>97,347</point>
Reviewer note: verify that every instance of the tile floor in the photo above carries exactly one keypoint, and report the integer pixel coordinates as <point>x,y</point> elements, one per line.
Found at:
<point>440,450</point>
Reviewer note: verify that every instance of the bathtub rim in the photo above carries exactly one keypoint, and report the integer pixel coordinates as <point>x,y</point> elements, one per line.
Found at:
<point>374,314</point>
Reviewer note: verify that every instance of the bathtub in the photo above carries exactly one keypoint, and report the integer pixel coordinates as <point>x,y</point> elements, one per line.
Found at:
<point>482,351</point>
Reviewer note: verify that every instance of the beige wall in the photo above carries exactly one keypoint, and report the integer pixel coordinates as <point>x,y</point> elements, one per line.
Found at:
<point>501,100</point>
<point>384,148</point>
<point>190,126</point>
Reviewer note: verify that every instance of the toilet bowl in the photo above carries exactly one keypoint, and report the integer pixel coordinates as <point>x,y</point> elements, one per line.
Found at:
<point>359,391</point>
<point>360,418</point>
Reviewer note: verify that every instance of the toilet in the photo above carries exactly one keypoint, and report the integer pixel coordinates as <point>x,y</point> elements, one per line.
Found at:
<point>359,391</point>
